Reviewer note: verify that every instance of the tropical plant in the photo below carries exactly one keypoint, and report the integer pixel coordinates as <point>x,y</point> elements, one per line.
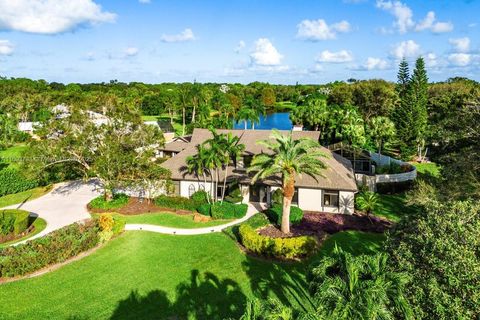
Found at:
<point>358,287</point>
<point>382,130</point>
<point>367,201</point>
<point>287,157</point>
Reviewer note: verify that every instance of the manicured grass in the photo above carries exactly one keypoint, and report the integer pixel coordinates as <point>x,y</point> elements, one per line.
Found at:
<point>12,155</point>
<point>143,275</point>
<point>285,106</point>
<point>39,224</point>
<point>431,169</point>
<point>177,121</point>
<point>24,196</point>
<point>392,207</point>
<point>171,220</point>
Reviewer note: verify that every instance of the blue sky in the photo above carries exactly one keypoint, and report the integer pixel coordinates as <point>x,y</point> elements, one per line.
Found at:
<point>236,41</point>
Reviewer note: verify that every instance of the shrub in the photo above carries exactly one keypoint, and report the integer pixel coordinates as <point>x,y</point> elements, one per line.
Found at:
<point>105,222</point>
<point>274,214</point>
<point>288,248</point>
<point>14,221</point>
<point>55,247</point>
<point>205,209</point>
<point>277,197</point>
<point>177,203</point>
<point>119,200</point>
<point>118,225</point>
<point>12,181</point>
<point>227,210</point>
<point>200,197</point>
<point>235,195</point>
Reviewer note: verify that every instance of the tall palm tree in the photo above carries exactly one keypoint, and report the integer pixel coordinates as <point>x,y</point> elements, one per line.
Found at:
<point>199,164</point>
<point>358,287</point>
<point>232,149</point>
<point>288,157</point>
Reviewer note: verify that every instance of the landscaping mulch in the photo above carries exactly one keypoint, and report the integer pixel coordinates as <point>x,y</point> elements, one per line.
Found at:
<point>320,224</point>
<point>140,206</point>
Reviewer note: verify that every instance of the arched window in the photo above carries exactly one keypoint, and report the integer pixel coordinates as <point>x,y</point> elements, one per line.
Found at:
<point>201,187</point>
<point>191,190</point>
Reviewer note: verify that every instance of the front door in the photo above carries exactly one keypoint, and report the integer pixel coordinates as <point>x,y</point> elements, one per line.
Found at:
<point>258,193</point>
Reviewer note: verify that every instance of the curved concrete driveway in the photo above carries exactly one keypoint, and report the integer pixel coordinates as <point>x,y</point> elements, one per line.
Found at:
<point>62,206</point>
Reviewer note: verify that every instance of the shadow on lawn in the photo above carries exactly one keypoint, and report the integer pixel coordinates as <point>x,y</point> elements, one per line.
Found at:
<point>205,296</point>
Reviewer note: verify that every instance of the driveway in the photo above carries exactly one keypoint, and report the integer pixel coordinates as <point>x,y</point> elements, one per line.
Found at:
<point>64,205</point>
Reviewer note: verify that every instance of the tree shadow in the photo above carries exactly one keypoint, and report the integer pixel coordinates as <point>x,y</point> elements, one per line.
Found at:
<point>204,296</point>
<point>286,281</point>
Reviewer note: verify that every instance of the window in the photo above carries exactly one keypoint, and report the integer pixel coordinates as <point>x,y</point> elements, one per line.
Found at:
<point>219,191</point>
<point>295,197</point>
<point>191,190</point>
<point>330,198</point>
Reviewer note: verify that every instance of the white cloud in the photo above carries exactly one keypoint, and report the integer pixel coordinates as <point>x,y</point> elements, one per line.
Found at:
<point>406,49</point>
<point>131,51</point>
<point>376,64</point>
<point>460,44</point>
<point>6,47</point>
<point>185,35</point>
<point>341,56</point>
<point>50,16</point>
<point>144,1</point>
<point>460,59</point>
<point>402,13</point>
<point>240,46</point>
<point>404,18</point>
<point>431,60</point>
<point>315,30</point>
<point>265,54</point>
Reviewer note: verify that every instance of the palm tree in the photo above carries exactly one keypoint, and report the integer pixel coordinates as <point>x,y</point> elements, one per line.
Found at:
<point>232,149</point>
<point>382,130</point>
<point>199,164</point>
<point>288,157</point>
<point>368,202</point>
<point>358,287</point>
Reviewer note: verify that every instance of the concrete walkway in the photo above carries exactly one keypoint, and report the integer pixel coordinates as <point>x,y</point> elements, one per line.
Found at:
<point>253,208</point>
<point>62,206</point>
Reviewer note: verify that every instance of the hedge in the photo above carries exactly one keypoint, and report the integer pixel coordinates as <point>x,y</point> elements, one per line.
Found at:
<point>177,203</point>
<point>56,247</point>
<point>288,248</point>
<point>12,181</point>
<point>13,221</point>
<point>275,213</point>
<point>119,200</point>
<point>225,210</point>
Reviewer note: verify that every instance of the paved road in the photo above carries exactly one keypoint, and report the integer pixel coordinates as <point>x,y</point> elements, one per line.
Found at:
<point>64,205</point>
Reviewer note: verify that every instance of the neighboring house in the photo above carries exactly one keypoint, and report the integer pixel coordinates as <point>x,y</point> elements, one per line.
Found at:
<point>332,192</point>
<point>165,127</point>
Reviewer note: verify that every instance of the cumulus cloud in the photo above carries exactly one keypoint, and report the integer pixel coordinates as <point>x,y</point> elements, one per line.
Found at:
<point>460,59</point>
<point>341,56</point>
<point>431,60</point>
<point>375,64</point>
<point>404,18</point>
<point>6,47</point>
<point>240,46</point>
<point>184,36</point>
<point>460,44</point>
<point>265,54</point>
<point>316,30</point>
<point>131,51</point>
<point>52,16</point>
<point>406,49</point>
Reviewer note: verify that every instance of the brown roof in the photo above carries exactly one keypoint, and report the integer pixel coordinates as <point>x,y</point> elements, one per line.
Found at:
<point>178,144</point>
<point>338,175</point>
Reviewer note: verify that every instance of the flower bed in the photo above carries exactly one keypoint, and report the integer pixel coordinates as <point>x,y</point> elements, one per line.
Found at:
<point>286,248</point>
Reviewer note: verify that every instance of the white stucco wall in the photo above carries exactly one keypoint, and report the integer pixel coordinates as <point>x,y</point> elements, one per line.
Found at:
<point>184,186</point>
<point>310,199</point>
<point>347,202</point>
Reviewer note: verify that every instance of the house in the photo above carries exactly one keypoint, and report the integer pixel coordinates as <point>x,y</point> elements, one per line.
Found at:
<point>333,192</point>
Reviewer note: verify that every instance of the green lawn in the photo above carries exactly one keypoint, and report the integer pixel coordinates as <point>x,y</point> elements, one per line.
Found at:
<point>143,275</point>
<point>431,169</point>
<point>24,196</point>
<point>177,121</point>
<point>392,207</point>
<point>12,155</point>
<point>171,220</point>
<point>39,224</point>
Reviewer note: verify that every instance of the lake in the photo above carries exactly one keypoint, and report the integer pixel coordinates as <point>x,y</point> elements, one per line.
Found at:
<point>278,120</point>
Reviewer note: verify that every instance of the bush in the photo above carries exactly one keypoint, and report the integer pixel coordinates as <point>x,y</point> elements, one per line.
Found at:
<point>277,197</point>
<point>119,200</point>
<point>12,181</point>
<point>274,214</point>
<point>177,203</point>
<point>118,225</point>
<point>105,222</point>
<point>14,221</point>
<point>235,195</point>
<point>227,210</point>
<point>201,197</point>
<point>288,248</point>
<point>205,209</point>
<point>55,247</point>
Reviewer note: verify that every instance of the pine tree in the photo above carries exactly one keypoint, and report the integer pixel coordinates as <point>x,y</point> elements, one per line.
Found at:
<point>418,93</point>
<point>403,78</point>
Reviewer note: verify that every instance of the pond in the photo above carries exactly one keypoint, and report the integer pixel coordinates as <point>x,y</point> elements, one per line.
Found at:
<point>278,120</point>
